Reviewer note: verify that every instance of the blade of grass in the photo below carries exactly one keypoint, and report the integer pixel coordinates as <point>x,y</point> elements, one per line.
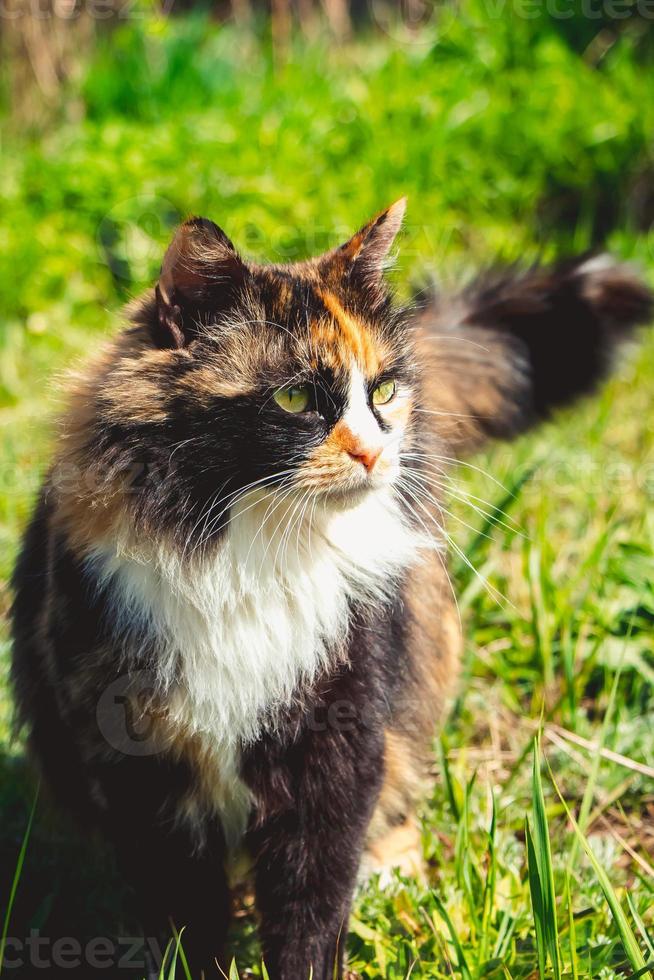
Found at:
<point>335,969</point>
<point>589,792</point>
<point>572,932</point>
<point>449,781</point>
<point>440,939</point>
<point>537,903</point>
<point>467,875</point>
<point>627,937</point>
<point>504,935</point>
<point>543,854</point>
<point>17,874</point>
<point>540,615</point>
<point>642,973</point>
<point>460,955</point>
<point>489,891</point>
<point>165,960</point>
<point>640,925</point>
<point>182,954</point>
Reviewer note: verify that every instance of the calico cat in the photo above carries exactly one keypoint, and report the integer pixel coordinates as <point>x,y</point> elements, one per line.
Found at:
<point>232,623</point>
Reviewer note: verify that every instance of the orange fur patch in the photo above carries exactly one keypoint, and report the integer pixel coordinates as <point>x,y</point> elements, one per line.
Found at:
<point>344,440</point>
<point>434,639</point>
<point>352,335</point>
<point>327,462</point>
<point>399,849</point>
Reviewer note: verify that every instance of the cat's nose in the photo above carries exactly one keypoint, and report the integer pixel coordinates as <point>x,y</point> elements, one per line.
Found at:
<point>366,456</point>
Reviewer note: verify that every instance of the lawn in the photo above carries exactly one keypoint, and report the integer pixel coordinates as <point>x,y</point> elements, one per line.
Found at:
<point>511,139</point>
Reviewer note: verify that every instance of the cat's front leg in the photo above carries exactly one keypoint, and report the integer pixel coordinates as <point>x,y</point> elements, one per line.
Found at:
<point>316,799</point>
<point>173,857</point>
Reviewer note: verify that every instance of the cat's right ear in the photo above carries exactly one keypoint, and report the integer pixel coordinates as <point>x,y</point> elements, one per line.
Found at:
<point>201,273</point>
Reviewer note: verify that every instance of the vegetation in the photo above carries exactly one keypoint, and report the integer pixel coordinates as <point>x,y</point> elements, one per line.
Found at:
<point>513,137</point>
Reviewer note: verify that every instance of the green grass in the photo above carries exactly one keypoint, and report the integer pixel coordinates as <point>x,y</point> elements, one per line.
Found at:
<point>507,142</point>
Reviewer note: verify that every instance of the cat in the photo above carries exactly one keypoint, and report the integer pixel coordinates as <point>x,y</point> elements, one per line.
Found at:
<point>233,625</point>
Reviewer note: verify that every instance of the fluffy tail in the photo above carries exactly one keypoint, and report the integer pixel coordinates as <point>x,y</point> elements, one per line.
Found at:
<point>514,345</point>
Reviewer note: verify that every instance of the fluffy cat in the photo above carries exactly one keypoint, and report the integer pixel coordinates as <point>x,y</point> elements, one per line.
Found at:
<point>232,624</point>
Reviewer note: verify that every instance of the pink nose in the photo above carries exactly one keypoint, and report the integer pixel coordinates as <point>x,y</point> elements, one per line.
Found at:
<point>366,456</point>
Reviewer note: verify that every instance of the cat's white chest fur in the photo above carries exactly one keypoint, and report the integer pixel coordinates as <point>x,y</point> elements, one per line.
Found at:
<point>239,634</point>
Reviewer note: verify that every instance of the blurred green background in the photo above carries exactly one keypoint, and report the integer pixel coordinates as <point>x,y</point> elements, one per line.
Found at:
<point>518,130</point>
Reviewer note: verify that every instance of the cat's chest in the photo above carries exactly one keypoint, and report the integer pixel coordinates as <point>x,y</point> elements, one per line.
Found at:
<point>250,640</point>
<point>242,634</point>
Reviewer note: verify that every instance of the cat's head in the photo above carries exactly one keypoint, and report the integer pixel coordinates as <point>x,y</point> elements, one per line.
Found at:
<point>239,376</point>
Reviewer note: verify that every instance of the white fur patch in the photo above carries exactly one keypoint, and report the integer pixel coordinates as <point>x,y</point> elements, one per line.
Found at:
<point>358,417</point>
<point>241,633</point>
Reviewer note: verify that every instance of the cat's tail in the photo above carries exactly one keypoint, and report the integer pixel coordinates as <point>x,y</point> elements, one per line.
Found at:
<point>516,344</point>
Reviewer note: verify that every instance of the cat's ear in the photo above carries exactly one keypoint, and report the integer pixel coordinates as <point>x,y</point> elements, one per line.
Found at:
<point>364,256</point>
<point>201,272</point>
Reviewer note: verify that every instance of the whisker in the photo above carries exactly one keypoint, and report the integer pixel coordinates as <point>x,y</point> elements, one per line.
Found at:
<point>278,495</point>
<point>284,516</point>
<point>206,508</point>
<point>437,548</point>
<point>230,502</point>
<point>285,533</point>
<point>428,496</point>
<point>461,494</point>
<point>455,415</point>
<point>494,593</point>
<point>453,338</point>
<point>456,462</point>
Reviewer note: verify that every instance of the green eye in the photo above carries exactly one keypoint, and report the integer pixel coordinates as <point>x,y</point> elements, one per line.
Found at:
<point>383,393</point>
<point>294,399</point>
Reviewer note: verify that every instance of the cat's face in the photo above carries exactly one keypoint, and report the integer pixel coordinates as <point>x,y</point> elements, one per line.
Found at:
<point>249,379</point>
<point>333,404</point>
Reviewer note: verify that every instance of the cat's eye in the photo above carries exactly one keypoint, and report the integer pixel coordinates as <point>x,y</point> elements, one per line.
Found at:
<point>293,399</point>
<point>383,393</point>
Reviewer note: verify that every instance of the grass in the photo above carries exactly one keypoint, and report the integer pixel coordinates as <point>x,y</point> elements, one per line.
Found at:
<point>508,142</point>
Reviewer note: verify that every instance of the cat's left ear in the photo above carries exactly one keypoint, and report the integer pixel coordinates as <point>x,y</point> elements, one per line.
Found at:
<point>364,256</point>
<point>201,273</point>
